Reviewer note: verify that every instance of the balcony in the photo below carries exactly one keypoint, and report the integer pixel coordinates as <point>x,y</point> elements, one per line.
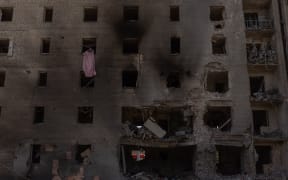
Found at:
<point>259,25</point>
<point>271,96</point>
<point>261,58</point>
<point>254,27</point>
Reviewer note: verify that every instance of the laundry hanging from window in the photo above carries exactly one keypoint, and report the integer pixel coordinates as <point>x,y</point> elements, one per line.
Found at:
<point>88,64</point>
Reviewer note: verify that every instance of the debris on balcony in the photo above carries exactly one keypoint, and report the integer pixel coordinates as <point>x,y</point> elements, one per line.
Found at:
<point>156,123</point>
<point>261,54</point>
<point>271,96</point>
<point>154,128</point>
<point>269,132</point>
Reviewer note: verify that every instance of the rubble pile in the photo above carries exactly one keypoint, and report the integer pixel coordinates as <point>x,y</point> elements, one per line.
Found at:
<point>272,96</point>
<point>263,55</point>
<point>147,132</point>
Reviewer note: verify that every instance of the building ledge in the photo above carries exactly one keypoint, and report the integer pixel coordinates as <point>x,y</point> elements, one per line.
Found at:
<point>261,139</point>
<point>262,67</point>
<point>163,143</point>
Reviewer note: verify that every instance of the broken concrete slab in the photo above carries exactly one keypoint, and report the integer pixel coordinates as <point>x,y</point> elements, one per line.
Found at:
<point>155,128</point>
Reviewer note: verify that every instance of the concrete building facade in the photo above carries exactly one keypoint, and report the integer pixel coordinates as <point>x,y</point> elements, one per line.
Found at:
<point>183,89</point>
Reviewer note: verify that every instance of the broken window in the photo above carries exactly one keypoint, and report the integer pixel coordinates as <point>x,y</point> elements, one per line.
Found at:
<point>217,82</point>
<point>85,114</point>
<point>45,47</point>
<point>219,44</point>
<point>257,85</point>
<point>4,46</point>
<point>251,16</point>
<point>90,14</point>
<point>130,46</point>
<point>174,13</point>
<point>171,120</point>
<point>175,45</point>
<point>42,81</point>
<point>130,13</point>
<point>88,43</point>
<point>6,14</point>
<point>218,117</point>
<point>228,160</point>
<point>133,115</point>
<point>36,151</point>
<point>48,14</point>
<point>264,158</point>
<point>167,162</point>
<point>82,152</point>
<point>2,78</point>
<point>129,78</point>
<point>260,119</point>
<point>86,81</point>
<point>251,20</point>
<point>173,80</point>
<point>38,114</point>
<point>216,13</point>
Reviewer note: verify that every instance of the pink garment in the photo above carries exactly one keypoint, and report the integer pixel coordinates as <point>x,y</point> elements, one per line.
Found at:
<point>88,64</point>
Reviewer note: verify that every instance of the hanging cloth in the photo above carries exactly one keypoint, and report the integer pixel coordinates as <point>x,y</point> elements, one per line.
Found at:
<point>88,64</point>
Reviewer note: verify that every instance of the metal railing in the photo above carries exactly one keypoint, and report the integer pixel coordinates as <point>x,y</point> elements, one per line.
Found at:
<point>264,24</point>
<point>262,57</point>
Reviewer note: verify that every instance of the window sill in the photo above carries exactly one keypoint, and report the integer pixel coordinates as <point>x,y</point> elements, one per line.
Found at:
<point>44,54</point>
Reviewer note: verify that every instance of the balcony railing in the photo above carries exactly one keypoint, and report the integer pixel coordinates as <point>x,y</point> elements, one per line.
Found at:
<point>262,57</point>
<point>265,24</point>
<point>271,96</point>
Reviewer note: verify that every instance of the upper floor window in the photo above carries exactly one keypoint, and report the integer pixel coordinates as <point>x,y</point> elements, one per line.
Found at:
<point>2,78</point>
<point>4,46</point>
<point>45,46</point>
<point>175,45</point>
<point>216,13</point>
<point>85,114</point>
<point>87,82</point>
<point>88,43</point>
<point>6,14</point>
<point>42,81</point>
<point>90,14</point>
<point>130,46</point>
<point>174,13</point>
<point>48,14</point>
<point>130,13</point>
<point>38,114</point>
<point>218,44</point>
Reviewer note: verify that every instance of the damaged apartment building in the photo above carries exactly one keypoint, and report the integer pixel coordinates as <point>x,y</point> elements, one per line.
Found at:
<point>144,90</point>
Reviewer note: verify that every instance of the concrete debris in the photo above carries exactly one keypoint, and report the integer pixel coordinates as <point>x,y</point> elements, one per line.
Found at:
<point>155,128</point>
<point>86,156</point>
<point>140,132</point>
<point>263,55</point>
<point>268,132</point>
<point>272,96</point>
